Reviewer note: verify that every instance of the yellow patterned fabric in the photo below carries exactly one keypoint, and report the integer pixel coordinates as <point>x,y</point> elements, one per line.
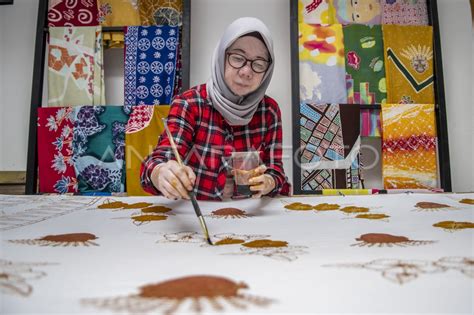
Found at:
<point>119,12</point>
<point>409,146</point>
<point>316,12</point>
<point>321,44</point>
<point>141,136</point>
<point>161,12</point>
<point>409,64</point>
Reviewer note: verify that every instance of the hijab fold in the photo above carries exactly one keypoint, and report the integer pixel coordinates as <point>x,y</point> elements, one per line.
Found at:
<point>237,110</point>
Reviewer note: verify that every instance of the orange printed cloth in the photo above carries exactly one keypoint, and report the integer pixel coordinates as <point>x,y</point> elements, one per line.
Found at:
<point>409,64</point>
<point>409,146</point>
<point>161,12</point>
<point>141,136</point>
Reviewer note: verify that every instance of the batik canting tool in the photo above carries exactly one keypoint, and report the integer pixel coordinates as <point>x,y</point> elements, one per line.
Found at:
<point>191,193</point>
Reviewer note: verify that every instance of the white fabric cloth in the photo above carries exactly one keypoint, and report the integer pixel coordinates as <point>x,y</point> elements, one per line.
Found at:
<point>324,268</point>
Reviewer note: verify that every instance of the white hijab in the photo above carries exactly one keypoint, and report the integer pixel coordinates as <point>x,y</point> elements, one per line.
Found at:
<point>237,110</point>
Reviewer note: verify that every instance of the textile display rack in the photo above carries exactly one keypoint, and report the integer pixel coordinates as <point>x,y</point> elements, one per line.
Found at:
<point>301,142</point>
<point>42,30</point>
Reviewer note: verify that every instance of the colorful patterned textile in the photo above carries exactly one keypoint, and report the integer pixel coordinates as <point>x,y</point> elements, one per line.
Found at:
<point>321,61</point>
<point>150,63</point>
<point>73,13</point>
<point>98,145</point>
<point>365,72</point>
<point>330,146</point>
<point>75,66</point>
<point>409,64</point>
<point>370,123</point>
<point>141,136</point>
<point>161,12</point>
<point>55,163</point>
<point>178,78</point>
<point>358,11</point>
<point>409,146</point>
<point>413,12</point>
<point>118,13</point>
<point>316,12</point>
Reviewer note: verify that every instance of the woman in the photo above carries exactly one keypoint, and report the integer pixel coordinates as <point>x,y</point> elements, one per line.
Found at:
<point>230,113</point>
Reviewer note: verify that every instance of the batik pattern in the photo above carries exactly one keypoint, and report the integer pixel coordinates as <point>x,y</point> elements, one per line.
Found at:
<point>150,64</point>
<point>370,123</point>
<point>365,71</point>
<point>75,66</point>
<point>358,11</point>
<point>319,12</point>
<point>330,145</point>
<point>73,13</point>
<point>55,155</point>
<point>321,62</point>
<point>161,12</point>
<point>403,12</point>
<point>98,146</point>
<point>409,146</point>
<point>119,13</point>
<point>409,64</point>
<point>141,136</point>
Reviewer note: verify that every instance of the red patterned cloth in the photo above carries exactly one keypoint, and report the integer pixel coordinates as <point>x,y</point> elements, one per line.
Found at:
<point>73,13</point>
<point>205,140</point>
<point>56,167</point>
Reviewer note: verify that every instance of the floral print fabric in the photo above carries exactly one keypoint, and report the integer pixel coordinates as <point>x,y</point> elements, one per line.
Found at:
<point>75,66</point>
<point>98,145</point>
<point>150,64</point>
<point>55,155</point>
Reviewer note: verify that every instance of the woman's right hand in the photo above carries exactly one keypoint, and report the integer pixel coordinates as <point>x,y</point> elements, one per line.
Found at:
<point>172,180</point>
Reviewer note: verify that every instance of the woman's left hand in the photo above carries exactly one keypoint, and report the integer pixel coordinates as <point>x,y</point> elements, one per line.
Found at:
<point>261,183</point>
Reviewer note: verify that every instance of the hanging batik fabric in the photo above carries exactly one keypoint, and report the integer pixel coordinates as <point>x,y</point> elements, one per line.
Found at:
<point>330,146</point>
<point>358,11</point>
<point>73,13</point>
<point>99,141</point>
<point>370,123</point>
<point>75,66</point>
<point>55,154</point>
<point>365,71</point>
<point>150,63</point>
<point>119,13</point>
<point>409,146</point>
<point>316,12</point>
<point>321,63</point>
<point>403,12</point>
<point>141,136</point>
<point>161,12</point>
<point>409,64</point>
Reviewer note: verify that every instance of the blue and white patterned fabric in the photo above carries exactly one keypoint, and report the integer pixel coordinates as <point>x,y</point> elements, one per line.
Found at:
<point>150,64</point>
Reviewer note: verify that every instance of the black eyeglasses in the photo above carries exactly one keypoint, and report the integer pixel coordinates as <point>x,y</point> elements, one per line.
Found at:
<point>238,61</point>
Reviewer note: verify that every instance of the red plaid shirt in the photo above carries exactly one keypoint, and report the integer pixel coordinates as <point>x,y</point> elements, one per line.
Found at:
<point>205,141</point>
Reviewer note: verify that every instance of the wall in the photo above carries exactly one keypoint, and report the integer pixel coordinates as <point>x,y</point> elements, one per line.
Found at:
<point>209,18</point>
